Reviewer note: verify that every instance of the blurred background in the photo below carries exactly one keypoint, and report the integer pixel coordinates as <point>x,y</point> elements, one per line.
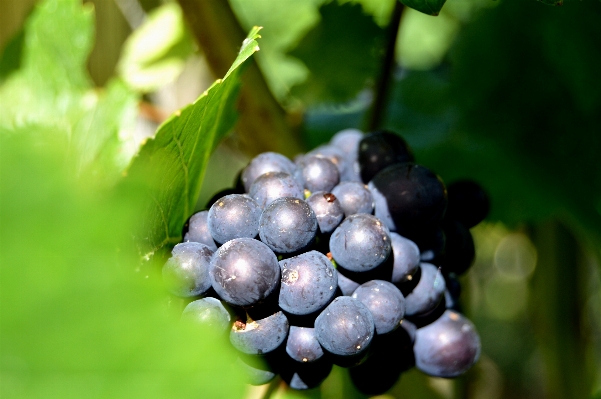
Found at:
<point>507,93</point>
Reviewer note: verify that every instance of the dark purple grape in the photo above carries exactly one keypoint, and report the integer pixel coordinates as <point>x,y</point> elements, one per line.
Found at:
<point>209,312</point>
<point>354,198</point>
<point>302,345</point>
<point>317,173</point>
<point>287,225</point>
<point>431,243</point>
<point>345,327</point>
<point>361,243</point>
<point>234,216</point>
<point>273,185</point>
<point>302,376</point>
<point>263,163</point>
<point>459,250</point>
<point>309,283</point>
<point>385,302</point>
<point>448,347</point>
<point>259,337</point>
<point>244,272</point>
<point>406,258</point>
<point>198,230</point>
<point>428,292</point>
<point>468,203</point>
<point>408,197</point>
<point>187,272</point>
<point>379,150</point>
<point>327,209</point>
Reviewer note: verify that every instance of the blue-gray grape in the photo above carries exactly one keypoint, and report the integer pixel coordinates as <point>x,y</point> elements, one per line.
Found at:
<point>234,216</point>
<point>187,272</point>
<point>287,225</point>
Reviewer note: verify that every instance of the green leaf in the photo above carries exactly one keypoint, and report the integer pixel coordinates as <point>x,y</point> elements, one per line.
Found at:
<point>552,2</point>
<point>78,319</point>
<point>155,54</point>
<point>10,60</point>
<point>51,96</point>
<point>342,53</point>
<point>430,7</point>
<point>172,165</point>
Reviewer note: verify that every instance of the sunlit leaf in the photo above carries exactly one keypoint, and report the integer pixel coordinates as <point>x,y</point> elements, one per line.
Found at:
<point>52,98</point>
<point>172,164</point>
<point>156,52</point>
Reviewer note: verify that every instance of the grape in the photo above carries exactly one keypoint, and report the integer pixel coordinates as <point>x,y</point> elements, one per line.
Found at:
<point>257,372</point>
<point>273,185</point>
<point>327,209</point>
<point>406,258</point>
<point>345,327</point>
<point>221,194</point>
<point>198,230</point>
<point>408,197</point>
<point>263,163</point>
<point>346,285</point>
<point>354,198</point>
<point>186,273</point>
<point>334,154</point>
<point>287,225</point>
<point>210,312</point>
<point>459,248</point>
<point>261,336</point>
<point>468,203</point>
<point>309,283</point>
<point>448,347</point>
<point>244,272</point>
<point>234,216</point>
<point>347,140</point>
<point>427,293</point>
<point>379,150</point>
<point>384,301</point>
<point>303,376</point>
<point>360,243</point>
<point>317,174</point>
<point>302,345</point>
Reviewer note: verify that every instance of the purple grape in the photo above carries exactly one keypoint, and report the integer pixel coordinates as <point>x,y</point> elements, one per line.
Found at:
<point>468,203</point>
<point>384,301</point>
<point>327,209</point>
<point>302,345</point>
<point>346,285</point>
<point>244,272</point>
<point>209,312</point>
<point>448,347</point>
<point>361,243</point>
<point>187,272</point>
<point>234,216</point>
<point>273,185</point>
<point>354,197</point>
<point>259,337</point>
<point>406,258</point>
<point>264,163</point>
<point>379,150</point>
<point>428,292</point>
<point>317,174</point>
<point>197,230</point>
<point>287,225</point>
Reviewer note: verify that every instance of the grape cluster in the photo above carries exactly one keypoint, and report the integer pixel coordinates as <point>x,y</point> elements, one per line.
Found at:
<point>349,255</point>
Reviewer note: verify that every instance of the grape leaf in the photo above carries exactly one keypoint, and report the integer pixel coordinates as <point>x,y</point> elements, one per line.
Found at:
<point>430,7</point>
<point>340,53</point>
<point>172,164</point>
<point>156,52</point>
<point>77,319</point>
<point>51,95</point>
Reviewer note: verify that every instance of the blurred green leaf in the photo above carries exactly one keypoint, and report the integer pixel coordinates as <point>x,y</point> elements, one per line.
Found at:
<point>51,96</point>
<point>430,7</point>
<point>155,54</point>
<point>172,165</point>
<point>552,2</point>
<point>78,319</point>
<point>342,53</point>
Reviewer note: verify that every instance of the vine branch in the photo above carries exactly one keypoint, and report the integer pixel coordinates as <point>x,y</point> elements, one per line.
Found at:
<point>377,112</point>
<point>263,124</point>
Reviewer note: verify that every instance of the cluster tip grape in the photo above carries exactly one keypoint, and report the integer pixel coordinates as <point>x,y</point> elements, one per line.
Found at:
<point>348,255</point>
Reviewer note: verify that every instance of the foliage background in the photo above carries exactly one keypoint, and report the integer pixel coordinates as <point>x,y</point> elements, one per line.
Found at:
<point>504,92</point>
